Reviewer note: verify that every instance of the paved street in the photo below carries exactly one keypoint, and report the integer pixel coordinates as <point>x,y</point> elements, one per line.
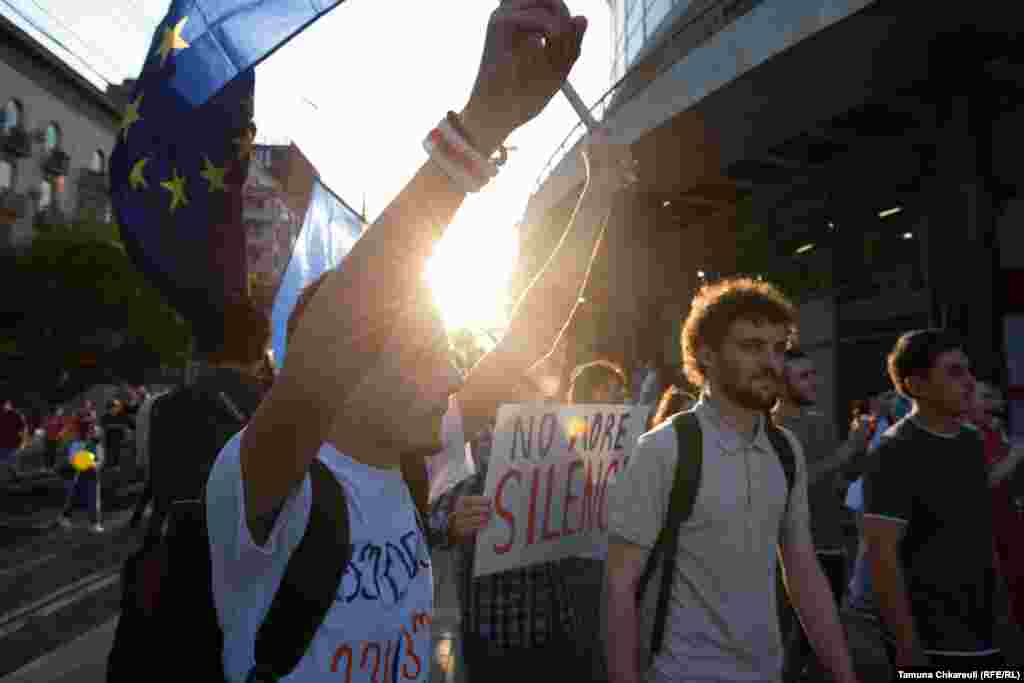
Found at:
<point>83,659</point>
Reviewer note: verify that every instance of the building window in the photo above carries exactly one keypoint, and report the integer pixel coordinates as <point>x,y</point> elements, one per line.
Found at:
<point>656,11</point>
<point>45,195</point>
<point>52,137</point>
<point>634,17</point>
<point>99,162</point>
<point>6,175</point>
<point>12,114</point>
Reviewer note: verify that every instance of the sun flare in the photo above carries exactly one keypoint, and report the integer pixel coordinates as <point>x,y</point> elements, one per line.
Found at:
<point>469,274</point>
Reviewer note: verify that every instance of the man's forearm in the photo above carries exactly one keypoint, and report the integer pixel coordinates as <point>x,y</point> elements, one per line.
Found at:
<point>813,600</point>
<point>623,645</point>
<point>894,603</point>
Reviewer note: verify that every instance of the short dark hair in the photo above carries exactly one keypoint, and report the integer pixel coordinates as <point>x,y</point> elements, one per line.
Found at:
<point>586,379</point>
<point>716,306</point>
<point>915,353</point>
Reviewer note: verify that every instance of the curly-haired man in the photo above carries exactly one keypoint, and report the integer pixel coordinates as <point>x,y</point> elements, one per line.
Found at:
<point>721,622</point>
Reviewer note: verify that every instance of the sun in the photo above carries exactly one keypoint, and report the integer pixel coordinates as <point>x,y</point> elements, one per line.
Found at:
<point>469,274</point>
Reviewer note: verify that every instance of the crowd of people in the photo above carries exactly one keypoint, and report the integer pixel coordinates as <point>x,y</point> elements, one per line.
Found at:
<point>726,558</point>
<point>58,437</point>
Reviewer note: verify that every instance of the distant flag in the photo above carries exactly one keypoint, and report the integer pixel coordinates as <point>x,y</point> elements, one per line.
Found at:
<point>329,231</point>
<point>184,144</point>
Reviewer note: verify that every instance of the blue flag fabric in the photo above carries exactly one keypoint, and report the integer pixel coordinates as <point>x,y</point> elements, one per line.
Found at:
<point>183,150</point>
<point>330,230</point>
<point>226,38</point>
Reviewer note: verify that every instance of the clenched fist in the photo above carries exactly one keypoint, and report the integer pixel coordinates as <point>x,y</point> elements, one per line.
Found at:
<point>472,513</point>
<point>530,48</point>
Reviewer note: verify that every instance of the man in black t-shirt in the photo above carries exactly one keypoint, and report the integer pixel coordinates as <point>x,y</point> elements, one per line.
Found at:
<point>927,515</point>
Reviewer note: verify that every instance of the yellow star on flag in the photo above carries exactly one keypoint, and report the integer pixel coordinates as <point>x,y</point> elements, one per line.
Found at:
<point>172,40</point>
<point>214,175</point>
<point>131,115</point>
<point>245,143</point>
<point>136,179</point>
<point>176,186</point>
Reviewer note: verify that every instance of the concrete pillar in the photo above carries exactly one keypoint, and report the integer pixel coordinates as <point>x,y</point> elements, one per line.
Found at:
<point>960,232</point>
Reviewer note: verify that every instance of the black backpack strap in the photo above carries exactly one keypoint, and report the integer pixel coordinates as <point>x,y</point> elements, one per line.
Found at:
<point>685,486</point>
<point>784,450</point>
<point>309,585</point>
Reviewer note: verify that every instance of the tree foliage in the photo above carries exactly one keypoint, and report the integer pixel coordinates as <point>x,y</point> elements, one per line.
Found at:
<point>77,278</point>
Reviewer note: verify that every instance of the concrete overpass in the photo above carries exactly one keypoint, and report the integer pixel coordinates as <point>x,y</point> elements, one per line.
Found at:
<point>821,114</point>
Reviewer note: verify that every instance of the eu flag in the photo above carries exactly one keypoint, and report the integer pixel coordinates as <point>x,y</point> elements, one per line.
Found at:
<point>328,233</point>
<point>183,149</point>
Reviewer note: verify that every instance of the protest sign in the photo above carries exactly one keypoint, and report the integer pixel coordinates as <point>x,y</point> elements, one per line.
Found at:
<point>548,476</point>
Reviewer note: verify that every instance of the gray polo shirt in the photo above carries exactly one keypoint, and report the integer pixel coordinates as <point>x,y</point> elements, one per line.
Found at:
<point>722,623</point>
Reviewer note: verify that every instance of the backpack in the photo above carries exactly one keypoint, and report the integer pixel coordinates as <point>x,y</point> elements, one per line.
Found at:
<point>167,587</point>
<point>685,487</point>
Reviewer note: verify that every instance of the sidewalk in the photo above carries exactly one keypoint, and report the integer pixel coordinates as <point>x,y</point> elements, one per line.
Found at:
<point>84,660</point>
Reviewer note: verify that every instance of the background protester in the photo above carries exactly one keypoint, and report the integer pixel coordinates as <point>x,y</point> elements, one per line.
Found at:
<point>1007,521</point>
<point>599,381</point>
<point>85,487</point>
<point>928,516</point>
<point>722,621</point>
<point>520,621</point>
<point>13,435</point>
<point>828,462</point>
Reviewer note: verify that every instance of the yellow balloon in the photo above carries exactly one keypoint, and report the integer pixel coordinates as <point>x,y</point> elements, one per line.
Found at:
<point>83,460</point>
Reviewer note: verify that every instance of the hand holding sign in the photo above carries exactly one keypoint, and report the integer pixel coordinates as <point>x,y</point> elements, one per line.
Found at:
<point>610,166</point>
<point>472,513</point>
<point>518,74</point>
<point>549,476</point>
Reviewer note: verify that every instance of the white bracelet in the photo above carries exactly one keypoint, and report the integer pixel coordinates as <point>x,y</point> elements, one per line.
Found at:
<point>483,166</point>
<point>452,168</point>
<point>466,167</point>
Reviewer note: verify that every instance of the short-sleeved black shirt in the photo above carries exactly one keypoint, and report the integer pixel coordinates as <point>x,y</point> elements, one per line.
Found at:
<point>939,486</point>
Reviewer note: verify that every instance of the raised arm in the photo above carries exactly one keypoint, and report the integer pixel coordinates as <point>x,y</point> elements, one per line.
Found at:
<point>548,303</point>
<point>341,333</point>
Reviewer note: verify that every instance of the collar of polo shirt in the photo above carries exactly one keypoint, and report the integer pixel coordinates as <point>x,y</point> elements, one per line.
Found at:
<point>729,440</point>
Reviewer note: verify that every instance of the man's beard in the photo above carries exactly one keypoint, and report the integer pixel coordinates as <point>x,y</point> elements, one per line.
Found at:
<point>742,394</point>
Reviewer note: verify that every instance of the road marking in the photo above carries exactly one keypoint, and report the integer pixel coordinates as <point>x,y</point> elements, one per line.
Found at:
<point>92,588</point>
<point>27,610</point>
<point>28,565</point>
<point>12,628</point>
